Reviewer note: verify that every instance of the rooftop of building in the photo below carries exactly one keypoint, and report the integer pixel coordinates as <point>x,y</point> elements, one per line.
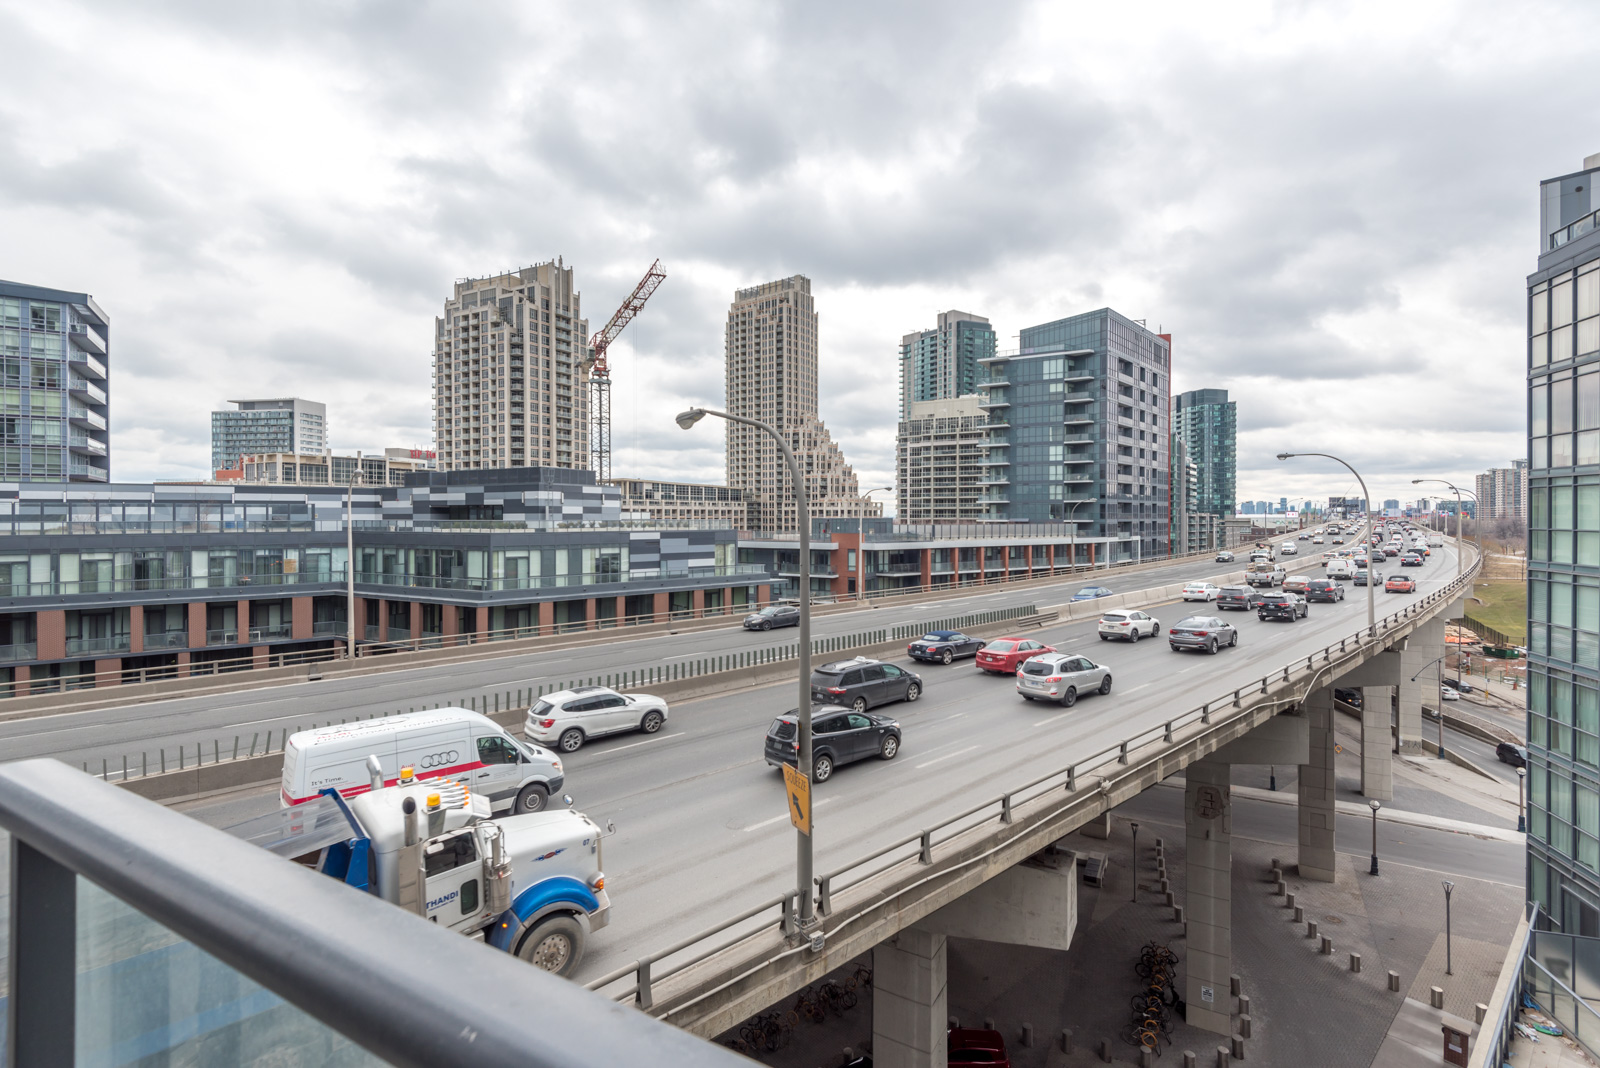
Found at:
<point>84,302</point>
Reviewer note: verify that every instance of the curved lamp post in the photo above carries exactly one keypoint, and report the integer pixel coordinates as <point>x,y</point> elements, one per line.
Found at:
<point>861,549</point>
<point>1367,498</point>
<point>803,843</point>
<point>1438,699</point>
<point>1460,516</point>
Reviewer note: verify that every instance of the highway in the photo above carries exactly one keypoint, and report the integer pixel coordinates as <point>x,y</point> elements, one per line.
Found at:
<point>112,733</point>
<point>701,819</point>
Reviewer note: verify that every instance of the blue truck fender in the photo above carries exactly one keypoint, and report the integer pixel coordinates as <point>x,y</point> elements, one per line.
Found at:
<point>560,893</point>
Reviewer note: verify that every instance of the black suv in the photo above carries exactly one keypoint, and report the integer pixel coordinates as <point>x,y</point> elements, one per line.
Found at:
<point>838,736</point>
<point>1512,754</point>
<point>1280,606</point>
<point>1237,597</point>
<point>1324,590</point>
<point>778,615</point>
<point>862,683</point>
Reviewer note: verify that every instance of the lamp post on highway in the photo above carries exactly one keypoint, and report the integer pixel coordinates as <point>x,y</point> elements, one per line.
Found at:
<point>1375,807</point>
<point>1448,886</point>
<point>1371,621</point>
<point>1134,864</point>
<point>1460,516</point>
<point>1438,697</point>
<point>861,550</point>
<point>803,864</point>
<point>349,562</point>
<point>1522,818</point>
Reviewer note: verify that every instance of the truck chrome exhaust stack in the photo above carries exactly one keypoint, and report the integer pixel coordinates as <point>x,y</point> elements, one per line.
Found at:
<point>375,771</point>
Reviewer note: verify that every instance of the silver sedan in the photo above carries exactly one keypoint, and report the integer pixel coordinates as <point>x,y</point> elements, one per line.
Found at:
<point>1201,632</point>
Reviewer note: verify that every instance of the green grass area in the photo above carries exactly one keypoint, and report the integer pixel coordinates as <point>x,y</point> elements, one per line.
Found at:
<point>1505,608</point>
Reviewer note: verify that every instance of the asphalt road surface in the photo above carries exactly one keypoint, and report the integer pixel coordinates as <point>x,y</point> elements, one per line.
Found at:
<point>702,829</point>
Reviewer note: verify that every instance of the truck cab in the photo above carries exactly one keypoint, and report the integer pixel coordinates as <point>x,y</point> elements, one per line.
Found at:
<point>1265,573</point>
<point>526,884</point>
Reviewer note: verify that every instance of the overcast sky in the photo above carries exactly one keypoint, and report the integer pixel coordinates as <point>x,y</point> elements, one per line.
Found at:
<point>1331,207</point>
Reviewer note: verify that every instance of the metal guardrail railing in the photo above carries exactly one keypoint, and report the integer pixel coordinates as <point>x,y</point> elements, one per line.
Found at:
<point>229,899</point>
<point>917,853</point>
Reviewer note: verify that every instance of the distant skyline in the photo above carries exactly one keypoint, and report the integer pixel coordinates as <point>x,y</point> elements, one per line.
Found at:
<point>277,198</point>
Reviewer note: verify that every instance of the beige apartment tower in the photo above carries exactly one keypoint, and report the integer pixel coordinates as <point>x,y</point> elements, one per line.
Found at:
<point>771,349</point>
<point>510,381</point>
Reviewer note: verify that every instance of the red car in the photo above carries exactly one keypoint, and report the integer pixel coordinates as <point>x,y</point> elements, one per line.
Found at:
<point>1004,656</point>
<point>971,1045</point>
<point>1400,584</point>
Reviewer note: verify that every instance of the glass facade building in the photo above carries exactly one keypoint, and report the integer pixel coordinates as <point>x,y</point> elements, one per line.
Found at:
<point>258,427</point>
<point>944,362</point>
<point>1207,422</point>
<point>54,383</point>
<point>1078,431</point>
<point>1563,366</point>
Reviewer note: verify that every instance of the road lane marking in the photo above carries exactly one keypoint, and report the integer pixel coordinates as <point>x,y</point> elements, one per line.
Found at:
<point>647,741</point>
<point>1136,689</point>
<point>947,756</point>
<point>780,817</point>
<point>1052,719</point>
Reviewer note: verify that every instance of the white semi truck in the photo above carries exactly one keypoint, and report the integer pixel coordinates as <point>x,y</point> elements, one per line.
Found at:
<point>527,884</point>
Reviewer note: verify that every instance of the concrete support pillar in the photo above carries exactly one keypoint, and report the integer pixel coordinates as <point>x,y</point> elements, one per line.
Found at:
<point>1317,790</point>
<point>1208,825</point>
<point>909,1001</point>
<point>1377,768</point>
<point>1421,657</point>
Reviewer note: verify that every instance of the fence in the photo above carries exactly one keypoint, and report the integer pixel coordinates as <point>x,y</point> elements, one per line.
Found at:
<point>916,854</point>
<point>130,766</point>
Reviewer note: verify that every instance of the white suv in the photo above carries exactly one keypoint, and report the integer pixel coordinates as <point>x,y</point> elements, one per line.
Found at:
<point>1289,548</point>
<point>568,718</point>
<point>1128,624</point>
<point>1201,591</point>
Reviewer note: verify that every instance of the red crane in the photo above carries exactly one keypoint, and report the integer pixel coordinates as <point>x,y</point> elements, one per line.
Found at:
<point>600,373</point>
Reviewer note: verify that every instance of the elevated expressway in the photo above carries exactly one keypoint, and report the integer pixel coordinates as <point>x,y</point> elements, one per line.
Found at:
<point>984,781</point>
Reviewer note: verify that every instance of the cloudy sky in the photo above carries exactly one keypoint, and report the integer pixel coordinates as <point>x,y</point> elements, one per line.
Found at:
<point>1330,206</point>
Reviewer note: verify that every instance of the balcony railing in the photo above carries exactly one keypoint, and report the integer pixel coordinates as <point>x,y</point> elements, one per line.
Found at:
<point>85,363</point>
<point>116,643</point>
<point>166,639</point>
<point>336,627</point>
<point>399,634</point>
<point>11,654</point>
<point>222,637</point>
<point>87,338</point>
<point>272,632</point>
<point>140,929</point>
<point>88,472</point>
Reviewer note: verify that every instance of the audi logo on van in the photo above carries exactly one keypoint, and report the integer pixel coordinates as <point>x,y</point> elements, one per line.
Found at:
<point>439,760</point>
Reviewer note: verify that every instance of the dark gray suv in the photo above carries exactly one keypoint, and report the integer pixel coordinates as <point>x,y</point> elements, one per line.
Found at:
<point>838,737</point>
<point>777,615</point>
<point>861,683</point>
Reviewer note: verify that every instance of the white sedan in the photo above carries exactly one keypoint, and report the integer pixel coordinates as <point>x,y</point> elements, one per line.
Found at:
<point>1200,591</point>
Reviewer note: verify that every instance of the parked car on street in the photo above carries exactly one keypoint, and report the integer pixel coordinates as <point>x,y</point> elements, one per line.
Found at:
<point>1062,677</point>
<point>1400,584</point>
<point>1004,655</point>
<point>1288,606</point>
<point>1201,632</point>
<point>1089,593</point>
<point>1129,624</point>
<point>1237,597</point>
<point>1458,684</point>
<point>776,615</point>
<point>568,718</point>
<point>1511,753</point>
<point>943,646</point>
<point>1324,589</point>
<point>838,737</point>
<point>976,1048</point>
<point>1200,591</point>
<point>862,682</point>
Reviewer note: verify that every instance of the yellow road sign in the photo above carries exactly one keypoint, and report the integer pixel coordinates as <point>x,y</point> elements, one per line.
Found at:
<point>798,789</point>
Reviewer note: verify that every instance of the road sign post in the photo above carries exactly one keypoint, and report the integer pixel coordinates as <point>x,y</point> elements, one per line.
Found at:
<point>798,789</point>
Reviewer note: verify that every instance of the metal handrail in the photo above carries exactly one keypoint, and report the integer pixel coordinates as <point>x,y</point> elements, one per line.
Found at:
<point>1067,777</point>
<point>233,900</point>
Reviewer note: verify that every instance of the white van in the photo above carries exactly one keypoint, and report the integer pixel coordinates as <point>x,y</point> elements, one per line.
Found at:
<point>456,743</point>
<point>1341,569</point>
<point>1435,541</point>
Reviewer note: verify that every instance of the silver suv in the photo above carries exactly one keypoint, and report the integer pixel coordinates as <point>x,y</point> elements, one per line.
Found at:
<point>568,718</point>
<point>1062,677</point>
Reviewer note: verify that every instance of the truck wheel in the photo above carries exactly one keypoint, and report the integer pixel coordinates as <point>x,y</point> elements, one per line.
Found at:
<point>555,944</point>
<point>651,722</point>
<point>571,740</point>
<point>533,798</point>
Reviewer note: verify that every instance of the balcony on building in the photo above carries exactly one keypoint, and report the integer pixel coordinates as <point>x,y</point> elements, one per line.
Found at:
<point>79,441</point>
<point>82,416</point>
<point>87,473</point>
<point>1078,419</point>
<point>88,339</point>
<point>1077,398</point>
<point>990,405</point>
<point>85,390</point>
<point>84,363</point>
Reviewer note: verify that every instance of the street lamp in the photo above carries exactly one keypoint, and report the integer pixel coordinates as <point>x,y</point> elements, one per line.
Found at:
<point>1134,866</point>
<point>349,562</point>
<point>803,841</point>
<point>861,550</point>
<point>1372,628</point>
<point>1460,516</point>
<point>1375,807</point>
<point>1522,819</point>
<point>1448,886</point>
<point>1438,697</point>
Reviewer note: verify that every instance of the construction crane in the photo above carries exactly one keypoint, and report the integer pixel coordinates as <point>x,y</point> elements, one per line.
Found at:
<point>600,373</point>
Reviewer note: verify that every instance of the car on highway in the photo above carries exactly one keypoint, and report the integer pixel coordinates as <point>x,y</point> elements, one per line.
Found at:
<point>1362,574</point>
<point>1400,584</point>
<point>1392,549</point>
<point>1288,606</point>
<point>1318,540</point>
<point>863,682</point>
<point>1200,591</point>
<point>1128,624</point>
<point>838,737</point>
<point>1447,694</point>
<point>1324,589</point>
<point>1512,753</point>
<point>1304,537</point>
<point>1349,696</point>
<point>1289,548</point>
<point>1237,597</point>
<point>1004,655</point>
<point>1458,684</point>
<point>776,615</point>
<point>1340,569</point>
<point>1089,593</point>
<point>568,718</point>
<point>943,646</point>
<point>1296,584</point>
<point>1201,632</point>
<point>1062,677</point>
<point>1410,559</point>
<point>1224,557</point>
<point>1338,539</point>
